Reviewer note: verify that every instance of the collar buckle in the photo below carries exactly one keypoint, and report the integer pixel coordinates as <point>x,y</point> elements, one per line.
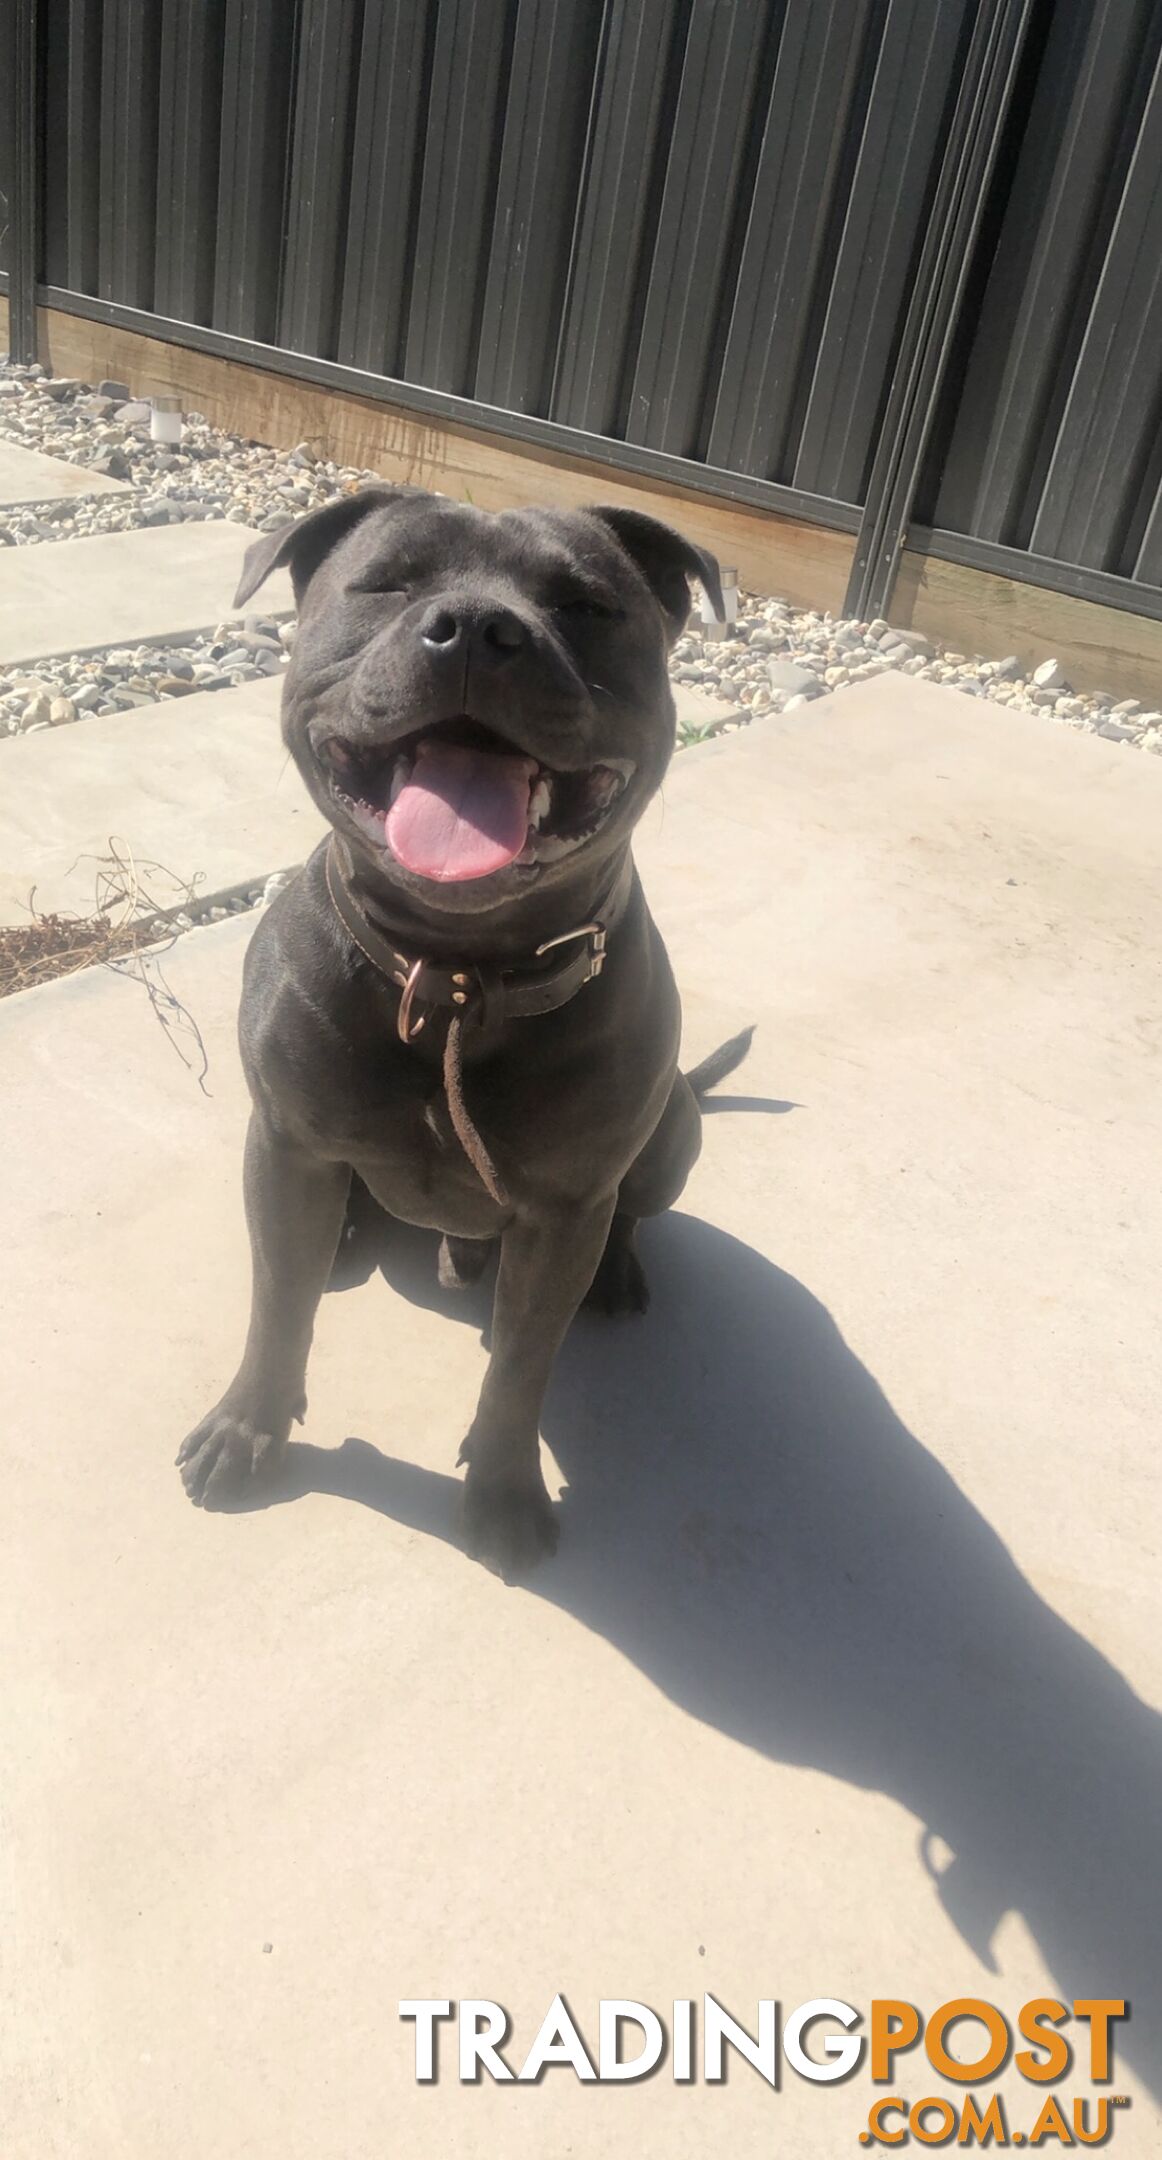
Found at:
<point>593,930</point>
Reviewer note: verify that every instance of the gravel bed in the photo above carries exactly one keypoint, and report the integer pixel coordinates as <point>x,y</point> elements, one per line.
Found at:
<point>780,658</point>
<point>209,475</point>
<point>238,901</point>
<point>80,686</point>
<point>776,658</point>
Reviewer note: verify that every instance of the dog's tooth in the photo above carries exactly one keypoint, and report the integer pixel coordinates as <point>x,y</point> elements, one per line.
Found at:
<point>551,847</point>
<point>539,803</point>
<point>399,777</point>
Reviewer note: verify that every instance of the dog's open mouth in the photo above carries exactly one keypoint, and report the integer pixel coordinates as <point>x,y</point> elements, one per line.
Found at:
<point>456,801</point>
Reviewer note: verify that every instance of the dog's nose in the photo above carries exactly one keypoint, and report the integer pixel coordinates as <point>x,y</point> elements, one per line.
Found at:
<point>446,630</point>
<point>440,629</point>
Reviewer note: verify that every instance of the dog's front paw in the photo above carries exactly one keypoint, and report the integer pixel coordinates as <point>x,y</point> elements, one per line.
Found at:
<point>510,1522</point>
<point>228,1453</point>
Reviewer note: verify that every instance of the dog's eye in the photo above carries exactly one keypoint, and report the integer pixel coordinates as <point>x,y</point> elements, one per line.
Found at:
<point>582,605</point>
<point>383,587</point>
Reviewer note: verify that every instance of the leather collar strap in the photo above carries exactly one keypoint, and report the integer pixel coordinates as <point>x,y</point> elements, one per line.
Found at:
<point>472,991</point>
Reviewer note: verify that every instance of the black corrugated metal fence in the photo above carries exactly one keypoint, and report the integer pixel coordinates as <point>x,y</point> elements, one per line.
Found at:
<point>894,266</point>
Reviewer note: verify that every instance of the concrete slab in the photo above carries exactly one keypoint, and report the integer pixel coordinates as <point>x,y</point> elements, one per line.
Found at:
<point>123,588</point>
<point>27,476</point>
<point>846,1679</point>
<point>201,785</point>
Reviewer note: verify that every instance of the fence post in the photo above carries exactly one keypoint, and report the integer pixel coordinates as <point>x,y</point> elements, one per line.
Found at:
<point>21,120</point>
<point>974,135</point>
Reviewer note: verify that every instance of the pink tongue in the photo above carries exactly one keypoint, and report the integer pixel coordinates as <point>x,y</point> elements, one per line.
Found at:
<point>463,814</point>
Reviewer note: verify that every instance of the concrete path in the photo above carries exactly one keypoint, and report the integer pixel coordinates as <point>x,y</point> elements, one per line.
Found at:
<point>201,784</point>
<point>846,1679</point>
<point>27,476</point>
<point>123,588</point>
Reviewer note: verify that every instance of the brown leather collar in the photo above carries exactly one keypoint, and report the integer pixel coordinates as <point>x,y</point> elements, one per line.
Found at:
<point>473,991</point>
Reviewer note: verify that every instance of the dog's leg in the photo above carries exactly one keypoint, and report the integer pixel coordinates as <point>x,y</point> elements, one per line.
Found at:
<point>619,1285</point>
<point>546,1265</point>
<point>294,1210</point>
<point>649,1187</point>
<point>462,1260</point>
<point>362,1240</point>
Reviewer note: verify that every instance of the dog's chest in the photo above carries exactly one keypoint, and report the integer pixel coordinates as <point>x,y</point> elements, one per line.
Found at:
<point>397,1132</point>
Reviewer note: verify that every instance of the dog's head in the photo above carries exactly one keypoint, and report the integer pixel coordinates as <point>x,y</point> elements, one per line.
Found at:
<point>480,702</point>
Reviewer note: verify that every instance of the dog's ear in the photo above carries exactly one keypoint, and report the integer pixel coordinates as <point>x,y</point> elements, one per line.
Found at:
<point>306,543</point>
<point>666,560</point>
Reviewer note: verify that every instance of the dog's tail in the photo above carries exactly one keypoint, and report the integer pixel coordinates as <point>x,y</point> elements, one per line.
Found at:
<point>720,1062</point>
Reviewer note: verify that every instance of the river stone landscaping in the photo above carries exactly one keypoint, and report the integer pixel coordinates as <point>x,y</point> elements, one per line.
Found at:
<point>76,686</point>
<point>776,658</point>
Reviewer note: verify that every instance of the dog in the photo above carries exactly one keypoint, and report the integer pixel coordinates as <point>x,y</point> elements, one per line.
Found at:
<point>461,1005</point>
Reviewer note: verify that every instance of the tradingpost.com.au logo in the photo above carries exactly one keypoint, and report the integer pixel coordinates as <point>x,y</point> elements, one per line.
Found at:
<point>1069,2046</point>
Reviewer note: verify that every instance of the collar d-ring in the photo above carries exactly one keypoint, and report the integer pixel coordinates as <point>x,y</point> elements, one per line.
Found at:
<point>407,1033</point>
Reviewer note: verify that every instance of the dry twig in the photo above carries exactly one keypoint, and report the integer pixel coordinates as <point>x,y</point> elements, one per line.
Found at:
<point>131,927</point>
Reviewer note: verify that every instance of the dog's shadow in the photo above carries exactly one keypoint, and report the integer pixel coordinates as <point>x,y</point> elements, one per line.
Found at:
<point>747,1518</point>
